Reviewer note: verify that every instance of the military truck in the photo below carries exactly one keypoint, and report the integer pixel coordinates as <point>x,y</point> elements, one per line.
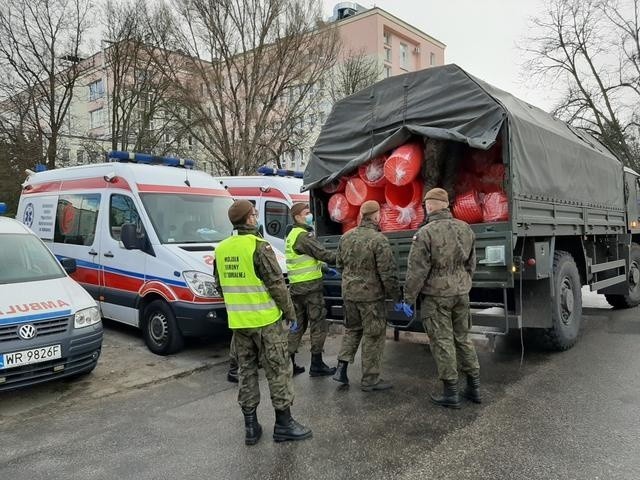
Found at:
<point>573,207</point>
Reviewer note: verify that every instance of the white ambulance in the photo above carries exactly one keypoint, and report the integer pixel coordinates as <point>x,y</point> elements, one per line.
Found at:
<point>50,327</point>
<point>273,192</point>
<point>142,231</point>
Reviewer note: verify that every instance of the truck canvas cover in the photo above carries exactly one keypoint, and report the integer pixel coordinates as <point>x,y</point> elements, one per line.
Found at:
<point>548,160</point>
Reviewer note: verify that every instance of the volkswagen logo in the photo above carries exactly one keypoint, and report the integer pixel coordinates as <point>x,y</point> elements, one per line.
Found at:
<point>27,332</point>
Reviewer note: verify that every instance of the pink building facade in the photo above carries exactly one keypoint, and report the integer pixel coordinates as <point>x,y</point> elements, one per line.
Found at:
<point>398,46</point>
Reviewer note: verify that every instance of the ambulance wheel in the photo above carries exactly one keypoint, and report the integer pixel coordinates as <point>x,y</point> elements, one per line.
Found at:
<point>160,329</point>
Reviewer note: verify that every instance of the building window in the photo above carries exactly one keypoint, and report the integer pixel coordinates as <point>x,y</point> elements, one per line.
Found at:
<point>122,211</point>
<point>80,156</point>
<point>96,118</point>
<point>404,56</point>
<point>387,38</point>
<point>387,54</point>
<point>276,218</point>
<point>432,58</point>
<point>96,90</point>
<point>76,218</point>
<point>387,72</point>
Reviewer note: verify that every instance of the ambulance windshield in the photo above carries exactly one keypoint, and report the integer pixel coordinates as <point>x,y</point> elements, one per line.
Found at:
<point>182,218</point>
<point>23,258</point>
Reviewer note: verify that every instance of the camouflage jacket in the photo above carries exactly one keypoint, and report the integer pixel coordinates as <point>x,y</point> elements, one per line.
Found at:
<point>369,271</point>
<point>442,258</point>
<point>309,245</point>
<point>268,270</point>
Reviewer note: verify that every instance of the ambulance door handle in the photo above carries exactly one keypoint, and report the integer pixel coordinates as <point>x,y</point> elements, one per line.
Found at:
<point>93,252</point>
<point>109,254</point>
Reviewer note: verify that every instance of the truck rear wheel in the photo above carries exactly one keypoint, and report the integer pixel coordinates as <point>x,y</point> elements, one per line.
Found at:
<point>632,298</point>
<point>566,304</point>
<point>160,329</point>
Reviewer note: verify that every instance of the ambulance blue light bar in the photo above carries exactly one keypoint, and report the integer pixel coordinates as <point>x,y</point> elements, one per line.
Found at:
<point>279,172</point>
<point>120,156</point>
<point>3,208</point>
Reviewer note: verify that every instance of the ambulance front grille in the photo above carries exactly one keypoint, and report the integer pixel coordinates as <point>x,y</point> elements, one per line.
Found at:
<point>50,326</point>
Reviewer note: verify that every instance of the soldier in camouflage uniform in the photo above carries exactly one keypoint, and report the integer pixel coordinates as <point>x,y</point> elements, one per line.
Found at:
<point>369,275</point>
<point>440,166</point>
<point>258,304</point>
<point>303,249</point>
<point>440,266</point>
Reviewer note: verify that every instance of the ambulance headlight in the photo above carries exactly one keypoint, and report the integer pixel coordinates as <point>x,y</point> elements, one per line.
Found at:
<point>201,284</point>
<point>86,317</point>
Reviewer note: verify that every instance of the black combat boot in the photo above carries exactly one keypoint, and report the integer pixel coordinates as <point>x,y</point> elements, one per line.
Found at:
<point>318,368</point>
<point>287,429</point>
<point>232,374</point>
<point>297,369</point>
<point>472,392</point>
<point>341,372</point>
<point>252,429</point>
<point>449,397</point>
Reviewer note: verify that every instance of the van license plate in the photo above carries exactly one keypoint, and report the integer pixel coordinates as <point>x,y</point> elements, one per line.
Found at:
<point>27,357</point>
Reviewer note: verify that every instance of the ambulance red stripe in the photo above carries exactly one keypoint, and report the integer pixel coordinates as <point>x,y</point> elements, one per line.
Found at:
<point>147,188</point>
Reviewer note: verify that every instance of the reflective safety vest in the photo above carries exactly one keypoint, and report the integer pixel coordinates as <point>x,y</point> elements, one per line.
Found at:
<point>248,303</point>
<point>300,268</point>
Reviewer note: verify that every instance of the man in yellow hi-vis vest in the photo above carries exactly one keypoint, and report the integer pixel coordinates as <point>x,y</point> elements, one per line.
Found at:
<point>258,307</point>
<point>305,257</point>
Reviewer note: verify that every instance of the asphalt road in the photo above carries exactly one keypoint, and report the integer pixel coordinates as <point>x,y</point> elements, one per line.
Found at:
<point>571,415</point>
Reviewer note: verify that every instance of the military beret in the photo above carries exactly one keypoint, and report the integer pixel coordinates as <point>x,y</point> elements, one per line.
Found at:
<point>368,207</point>
<point>297,208</point>
<point>437,194</point>
<point>239,210</point>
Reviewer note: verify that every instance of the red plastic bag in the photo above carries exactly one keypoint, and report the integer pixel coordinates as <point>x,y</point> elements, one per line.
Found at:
<point>403,196</point>
<point>358,192</point>
<point>372,172</point>
<point>468,207</point>
<point>404,163</point>
<point>337,186</point>
<point>340,210</point>
<point>495,207</point>
<point>395,218</point>
<point>491,179</point>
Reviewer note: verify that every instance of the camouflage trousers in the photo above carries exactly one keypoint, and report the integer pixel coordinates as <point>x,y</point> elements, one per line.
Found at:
<point>233,356</point>
<point>366,322</point>
<point>447,321</point>
<point>268,347</point>
<point>311,313</point>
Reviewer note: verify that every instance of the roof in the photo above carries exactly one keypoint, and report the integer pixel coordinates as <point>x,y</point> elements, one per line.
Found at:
<point>393,18</point>
<point>9,225</point>
<point>131,172</point>
<point>548,158</point>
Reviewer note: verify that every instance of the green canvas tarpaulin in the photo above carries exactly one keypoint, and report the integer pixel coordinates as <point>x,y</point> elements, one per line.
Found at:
<point>548,159</point>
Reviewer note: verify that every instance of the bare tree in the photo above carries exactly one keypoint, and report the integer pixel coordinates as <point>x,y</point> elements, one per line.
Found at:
<point>250,75</point>
<point>356,71</point>
<point>592,47</point>
<point>142,106</point>
<point>40,42</point>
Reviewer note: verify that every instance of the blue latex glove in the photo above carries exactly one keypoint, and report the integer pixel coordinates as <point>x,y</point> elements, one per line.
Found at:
<point>293,328</point>
<point>332,272</point>
<point>406,308</point>
<point>398,307</point>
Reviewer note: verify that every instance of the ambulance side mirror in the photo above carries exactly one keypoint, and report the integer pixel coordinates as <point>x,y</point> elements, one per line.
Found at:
<point>129,236</point>
<point>261,230</point>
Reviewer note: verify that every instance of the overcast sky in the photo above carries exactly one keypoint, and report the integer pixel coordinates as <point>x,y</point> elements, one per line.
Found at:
<point>481,36</point>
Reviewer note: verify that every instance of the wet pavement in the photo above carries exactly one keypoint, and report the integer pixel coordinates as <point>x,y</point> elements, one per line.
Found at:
<point>570,415</point>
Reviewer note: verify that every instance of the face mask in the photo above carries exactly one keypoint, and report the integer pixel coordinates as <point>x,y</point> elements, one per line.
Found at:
<point>309,219</point>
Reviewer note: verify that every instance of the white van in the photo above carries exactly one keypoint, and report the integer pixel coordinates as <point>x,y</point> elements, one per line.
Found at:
<point>143,236</point>
<point>49,325</point>
<point>272,193</point>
